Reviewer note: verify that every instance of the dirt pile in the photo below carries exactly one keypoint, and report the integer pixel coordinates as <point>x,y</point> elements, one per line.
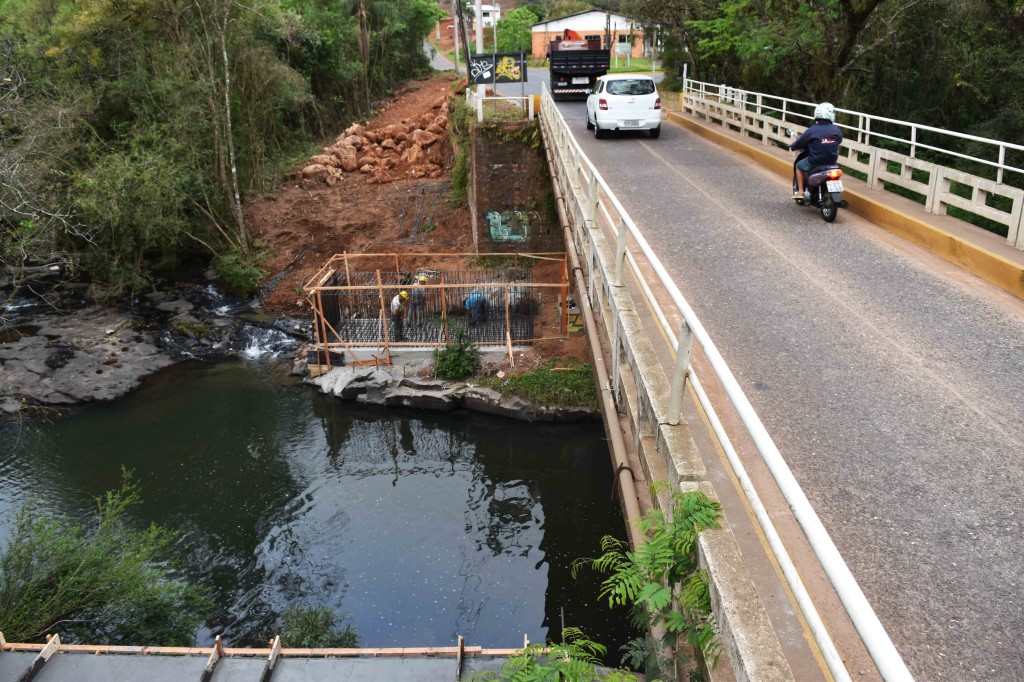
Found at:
<point>412,148</point>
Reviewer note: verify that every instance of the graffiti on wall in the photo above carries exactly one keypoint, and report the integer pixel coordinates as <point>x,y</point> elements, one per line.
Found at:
<point>510,225</point>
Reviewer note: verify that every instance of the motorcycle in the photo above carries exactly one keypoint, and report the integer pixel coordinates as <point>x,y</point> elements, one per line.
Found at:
<point>823,188</point>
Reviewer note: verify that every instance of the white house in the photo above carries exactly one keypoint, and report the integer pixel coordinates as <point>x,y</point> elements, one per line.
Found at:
<point>591,24</point>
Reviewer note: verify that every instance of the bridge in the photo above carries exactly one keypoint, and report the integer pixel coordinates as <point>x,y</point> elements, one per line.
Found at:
<point>856,387</point>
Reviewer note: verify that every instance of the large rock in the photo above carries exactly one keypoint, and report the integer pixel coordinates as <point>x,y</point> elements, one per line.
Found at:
<point>354,141</point>
<point>413,154</point>
<point>378,387</point>
<point>347,158</point>
<point>354,129</point>
<point>324,160</point>
<point>401,396</point>
<point>92,355</point>
<point>314,171</point>
<point>423,138</point>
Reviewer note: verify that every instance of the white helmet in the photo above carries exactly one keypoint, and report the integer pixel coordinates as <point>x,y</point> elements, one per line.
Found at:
<point>825,111</point>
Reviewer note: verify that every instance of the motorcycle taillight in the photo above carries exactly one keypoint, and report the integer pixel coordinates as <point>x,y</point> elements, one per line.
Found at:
<point>835,174</point>
<point>602,104</point>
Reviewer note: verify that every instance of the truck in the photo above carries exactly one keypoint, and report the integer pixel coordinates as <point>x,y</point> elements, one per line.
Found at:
<point>575,65</point>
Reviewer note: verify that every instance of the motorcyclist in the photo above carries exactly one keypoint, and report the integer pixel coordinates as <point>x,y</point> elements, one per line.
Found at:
<point>821,141</point>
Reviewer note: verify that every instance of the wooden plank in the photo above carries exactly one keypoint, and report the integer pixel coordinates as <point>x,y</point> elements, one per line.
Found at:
<point>51,647</point>
<point>458,658</point>
<point>275,653</point>
<point>211,663</point>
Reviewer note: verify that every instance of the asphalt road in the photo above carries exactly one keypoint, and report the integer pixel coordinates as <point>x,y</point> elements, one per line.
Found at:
<point>892,382</point>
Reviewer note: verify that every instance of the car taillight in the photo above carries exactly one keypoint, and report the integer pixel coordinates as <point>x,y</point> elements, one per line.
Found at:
<point>657,103</point>
<point>602,104</point>
<point>835,174</point>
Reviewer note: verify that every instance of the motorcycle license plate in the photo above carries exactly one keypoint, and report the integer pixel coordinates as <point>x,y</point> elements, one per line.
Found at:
<point>834,185</point>
<point>631,124</point>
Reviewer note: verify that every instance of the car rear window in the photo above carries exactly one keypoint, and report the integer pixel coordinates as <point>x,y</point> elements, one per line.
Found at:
<point>631,87</point>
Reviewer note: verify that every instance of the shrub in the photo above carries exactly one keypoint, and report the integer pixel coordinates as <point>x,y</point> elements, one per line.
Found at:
<point>104,582</point>
<point>315,627</point>
<point>241,273</point>
<point>457,360</point>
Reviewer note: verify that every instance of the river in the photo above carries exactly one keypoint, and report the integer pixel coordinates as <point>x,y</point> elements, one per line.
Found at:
<point>416,526</point>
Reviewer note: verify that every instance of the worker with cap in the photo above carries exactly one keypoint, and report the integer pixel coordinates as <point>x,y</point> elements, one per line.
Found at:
<point>398,304</point>
<point>419,301</point>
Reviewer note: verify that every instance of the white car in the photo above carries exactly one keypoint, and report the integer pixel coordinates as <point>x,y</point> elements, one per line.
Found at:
<point>624,102</point>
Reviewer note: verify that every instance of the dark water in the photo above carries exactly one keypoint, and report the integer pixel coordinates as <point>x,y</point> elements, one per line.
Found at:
<point>419,527</point>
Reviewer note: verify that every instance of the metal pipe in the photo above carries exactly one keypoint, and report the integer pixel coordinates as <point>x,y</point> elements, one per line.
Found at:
<point>623,473</point>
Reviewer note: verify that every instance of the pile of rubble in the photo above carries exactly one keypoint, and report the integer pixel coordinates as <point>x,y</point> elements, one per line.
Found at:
<point>412,148</point>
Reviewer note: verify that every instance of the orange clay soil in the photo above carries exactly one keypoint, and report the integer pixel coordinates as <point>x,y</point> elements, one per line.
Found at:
<point>306,221</point>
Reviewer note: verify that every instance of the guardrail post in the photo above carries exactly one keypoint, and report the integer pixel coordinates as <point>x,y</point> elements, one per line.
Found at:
<point>480,104</point>
<point>592,196</point>
<point>679,374</point>
<point>620,252</point>
<point>529,108</point>
<point>913,141</point>
<point>1002,161</point>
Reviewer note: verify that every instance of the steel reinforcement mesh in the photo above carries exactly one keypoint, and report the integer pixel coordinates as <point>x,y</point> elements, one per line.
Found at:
<point>438,311</point>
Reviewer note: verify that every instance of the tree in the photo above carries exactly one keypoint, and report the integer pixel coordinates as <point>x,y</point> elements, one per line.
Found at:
<point>514,32</point>
<point>105,581</point>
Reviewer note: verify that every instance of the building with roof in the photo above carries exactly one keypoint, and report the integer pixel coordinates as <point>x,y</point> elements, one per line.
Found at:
<point>608,27</point>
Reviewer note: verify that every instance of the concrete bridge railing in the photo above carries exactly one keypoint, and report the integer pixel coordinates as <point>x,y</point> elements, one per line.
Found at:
<point>609,243</point>
<point>766,118</point>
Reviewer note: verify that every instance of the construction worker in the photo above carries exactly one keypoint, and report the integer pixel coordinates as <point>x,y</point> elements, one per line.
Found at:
<point>398,304</point>
<point>419,301</point>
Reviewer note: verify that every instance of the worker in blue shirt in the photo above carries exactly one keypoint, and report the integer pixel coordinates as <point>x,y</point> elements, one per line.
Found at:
<point>821,141</point>
<point>476,304</point>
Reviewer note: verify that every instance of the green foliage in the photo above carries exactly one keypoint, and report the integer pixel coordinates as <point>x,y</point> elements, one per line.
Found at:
<point>133,129</point>
<point>458,359</point>
<point>310,627</point>
<point>460,121</point>
<point>102,582</point>
<point>241,272</point>
<point>514,32</point>
<point>575,659</point>
<point>662,574</point>
<point>499,262</point>
<point>573,385</point>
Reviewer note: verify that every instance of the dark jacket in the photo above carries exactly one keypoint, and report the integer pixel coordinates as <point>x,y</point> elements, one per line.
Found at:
<point>821,141</point>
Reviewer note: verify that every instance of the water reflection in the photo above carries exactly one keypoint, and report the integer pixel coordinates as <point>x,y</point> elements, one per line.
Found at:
<point>420,527</point>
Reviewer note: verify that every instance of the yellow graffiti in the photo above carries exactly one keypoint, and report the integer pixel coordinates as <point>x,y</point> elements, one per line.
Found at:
<point>507,68</point>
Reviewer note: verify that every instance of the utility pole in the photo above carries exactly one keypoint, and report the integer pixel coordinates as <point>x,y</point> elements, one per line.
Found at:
<point>479,19</point>
<point>455,32</point>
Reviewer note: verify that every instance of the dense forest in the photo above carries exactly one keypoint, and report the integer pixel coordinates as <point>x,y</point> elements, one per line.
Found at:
<point>131,130</point>
<point>955,64</point>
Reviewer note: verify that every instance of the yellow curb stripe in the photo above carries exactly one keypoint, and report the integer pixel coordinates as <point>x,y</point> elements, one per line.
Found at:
<point>991,267</point>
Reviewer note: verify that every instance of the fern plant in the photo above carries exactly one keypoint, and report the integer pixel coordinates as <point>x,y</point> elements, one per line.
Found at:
<point>575,659</point>
<point>662,575</point>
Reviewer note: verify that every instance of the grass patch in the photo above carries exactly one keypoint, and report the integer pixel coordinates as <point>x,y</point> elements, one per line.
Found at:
<point>636,65</point>
<point>572,384</point>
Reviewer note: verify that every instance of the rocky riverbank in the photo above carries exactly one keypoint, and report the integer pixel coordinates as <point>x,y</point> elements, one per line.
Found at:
<point>59,352</point>
<point>377,386</point>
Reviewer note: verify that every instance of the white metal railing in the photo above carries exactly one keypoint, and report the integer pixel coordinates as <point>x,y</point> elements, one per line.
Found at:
<point>766,117</point>
<point>596,208</point>
<point>476,101</point>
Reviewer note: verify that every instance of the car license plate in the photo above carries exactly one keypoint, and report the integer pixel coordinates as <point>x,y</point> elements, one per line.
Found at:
<point>834,185</point>
<point>631,124</point>
<point>580,80</point>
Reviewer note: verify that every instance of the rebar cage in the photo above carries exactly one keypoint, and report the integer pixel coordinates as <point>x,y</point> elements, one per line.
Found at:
<point>360,315</point>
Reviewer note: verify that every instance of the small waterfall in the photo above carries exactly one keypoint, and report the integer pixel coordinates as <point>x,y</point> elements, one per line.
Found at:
<point>254,342</point>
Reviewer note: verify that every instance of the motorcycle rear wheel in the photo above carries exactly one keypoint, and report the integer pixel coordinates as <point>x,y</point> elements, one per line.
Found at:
<point>829,209</point>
